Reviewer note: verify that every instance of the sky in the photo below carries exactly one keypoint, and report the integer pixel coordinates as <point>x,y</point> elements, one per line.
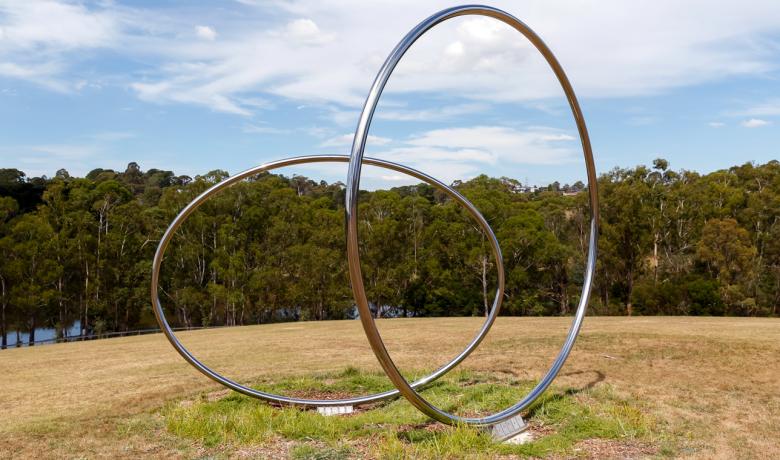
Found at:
<point>195,86</point>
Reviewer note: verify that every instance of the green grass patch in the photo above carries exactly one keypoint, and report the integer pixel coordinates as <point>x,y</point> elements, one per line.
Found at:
<point>560,419</point>
<point>311,452</point>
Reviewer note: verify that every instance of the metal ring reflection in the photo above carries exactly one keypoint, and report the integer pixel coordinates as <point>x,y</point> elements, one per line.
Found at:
<point>353,186</point>
<point>197,202</point>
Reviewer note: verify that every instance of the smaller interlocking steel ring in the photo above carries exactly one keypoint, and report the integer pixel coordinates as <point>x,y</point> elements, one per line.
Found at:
<point>197,202</point>
<point>353,185</point>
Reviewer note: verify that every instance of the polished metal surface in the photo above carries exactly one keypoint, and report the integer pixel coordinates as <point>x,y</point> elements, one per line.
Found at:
<point>353,187</point>
<point>340,403</point>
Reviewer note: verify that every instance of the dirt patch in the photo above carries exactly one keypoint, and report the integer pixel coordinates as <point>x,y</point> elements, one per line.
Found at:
<point>603,449</point>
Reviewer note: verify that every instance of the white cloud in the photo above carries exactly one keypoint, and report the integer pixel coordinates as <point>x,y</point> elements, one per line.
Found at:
<point>48,23</point>
<point>346,140</point>
<point>458,154</point>
<point>37,73</point>
<point>440,153</point>
<point>306,31</point>
<point>454,49</point>
<point>340,116</point>
<point>303,28</point>
<point>481,59</point>
<point>394,177</point>
<point>169,91</point>
<point>461,153</point>
<point>767,108</point>
<point>447,112</point>
<point>39,37</point>
<point>257,103</point>
<point>487,144</point>
<point>716,124</point>
<point>445,171</point>
<point>327,51</point>
<point>755,123</point>
<point>206,32</point>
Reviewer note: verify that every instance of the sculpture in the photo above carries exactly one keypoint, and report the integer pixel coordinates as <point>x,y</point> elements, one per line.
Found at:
<point>503,424</point>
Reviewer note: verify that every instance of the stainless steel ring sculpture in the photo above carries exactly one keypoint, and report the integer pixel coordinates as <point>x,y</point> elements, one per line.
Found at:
<point>503,418</point>
<point>353,185</point>
<point>200,199</point>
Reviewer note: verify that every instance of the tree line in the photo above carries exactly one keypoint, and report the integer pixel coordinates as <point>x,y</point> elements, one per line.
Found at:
<point>272,248</point>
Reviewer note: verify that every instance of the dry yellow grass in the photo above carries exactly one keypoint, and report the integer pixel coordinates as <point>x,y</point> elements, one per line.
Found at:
<point>713,384</point>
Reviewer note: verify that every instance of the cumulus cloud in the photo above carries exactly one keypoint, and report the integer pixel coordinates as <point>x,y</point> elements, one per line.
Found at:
<point>755,123</point>
<point>206,32</point>
<point>306,31</point>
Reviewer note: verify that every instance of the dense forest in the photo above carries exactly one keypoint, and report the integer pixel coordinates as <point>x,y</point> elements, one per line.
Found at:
<point>272,248</point>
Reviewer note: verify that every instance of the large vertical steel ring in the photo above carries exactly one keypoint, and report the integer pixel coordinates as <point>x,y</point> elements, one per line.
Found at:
<point>353,186</point>
<point>200,199</point>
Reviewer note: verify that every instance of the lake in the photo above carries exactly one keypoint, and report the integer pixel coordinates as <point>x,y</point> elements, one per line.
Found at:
<point>42,333</point>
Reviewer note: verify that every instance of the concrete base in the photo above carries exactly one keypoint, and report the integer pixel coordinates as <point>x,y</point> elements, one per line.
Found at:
<point>509,430</point>
<point>521,438</point>
<point>335,410</point>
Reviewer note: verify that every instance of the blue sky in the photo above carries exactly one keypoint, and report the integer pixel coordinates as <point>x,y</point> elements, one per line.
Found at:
<point>196,86</point>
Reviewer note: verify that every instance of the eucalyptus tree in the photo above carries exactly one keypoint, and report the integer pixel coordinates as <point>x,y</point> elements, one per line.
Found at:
<point>31,264</point>
<point>728,252</point>
<point>8,208</point>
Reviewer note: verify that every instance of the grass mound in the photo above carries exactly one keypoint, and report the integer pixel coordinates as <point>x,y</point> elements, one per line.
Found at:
<point>561,420</point>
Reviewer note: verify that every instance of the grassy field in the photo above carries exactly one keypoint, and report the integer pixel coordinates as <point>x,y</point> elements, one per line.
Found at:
<point>633,388</point>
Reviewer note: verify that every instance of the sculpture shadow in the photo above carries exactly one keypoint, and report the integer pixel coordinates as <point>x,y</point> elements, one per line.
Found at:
<point>421,432</point>
<point>571,391</point>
